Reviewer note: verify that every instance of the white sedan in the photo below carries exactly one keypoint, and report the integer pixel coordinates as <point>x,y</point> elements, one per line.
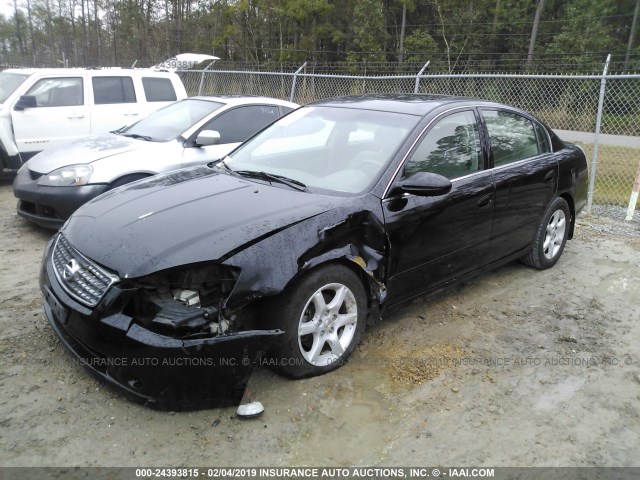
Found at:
<point>197,130</point>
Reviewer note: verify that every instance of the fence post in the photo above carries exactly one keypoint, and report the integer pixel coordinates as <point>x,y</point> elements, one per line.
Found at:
<point>295,79</point>
<point>596,139</point>
<point>417,86</point>
<point>634,196</point>
<point>202,77</point>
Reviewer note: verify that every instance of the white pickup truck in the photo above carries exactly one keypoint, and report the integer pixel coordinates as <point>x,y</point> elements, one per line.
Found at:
<point>41,106</point>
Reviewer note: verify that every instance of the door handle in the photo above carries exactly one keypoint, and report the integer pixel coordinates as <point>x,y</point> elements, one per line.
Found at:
<point>485,201</point>
<point>551,174</point>
<point>75,116</point>
<point>131,114</point>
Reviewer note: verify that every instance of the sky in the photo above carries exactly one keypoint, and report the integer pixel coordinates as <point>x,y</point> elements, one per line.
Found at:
<point>6,8</point>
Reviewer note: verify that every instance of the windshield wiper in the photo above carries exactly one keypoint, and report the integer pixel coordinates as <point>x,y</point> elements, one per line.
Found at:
<point>272,177</point>
<point>137,136</point>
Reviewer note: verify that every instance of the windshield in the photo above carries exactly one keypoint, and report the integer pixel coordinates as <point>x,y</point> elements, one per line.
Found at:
<point>171,121</point>
<point>330,148</point>
<point>9,82</point>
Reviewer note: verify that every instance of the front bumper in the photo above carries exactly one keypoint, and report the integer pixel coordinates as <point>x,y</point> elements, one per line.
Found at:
<point>49,207</point>
<point>160,371</point>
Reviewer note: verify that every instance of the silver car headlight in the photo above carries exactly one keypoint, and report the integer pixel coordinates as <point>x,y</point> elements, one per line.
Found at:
<point>67,176</point>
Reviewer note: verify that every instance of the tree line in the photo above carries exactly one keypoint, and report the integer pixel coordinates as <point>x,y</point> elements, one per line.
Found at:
<point>378,35</point>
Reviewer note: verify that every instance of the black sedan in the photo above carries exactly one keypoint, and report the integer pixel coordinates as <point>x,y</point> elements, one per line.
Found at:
<point>172,288</point>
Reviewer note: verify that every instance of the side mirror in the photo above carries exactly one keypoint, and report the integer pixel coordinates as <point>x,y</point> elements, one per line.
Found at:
<point>208,137</point>
<point>25,101</point>
<point>426,184</point>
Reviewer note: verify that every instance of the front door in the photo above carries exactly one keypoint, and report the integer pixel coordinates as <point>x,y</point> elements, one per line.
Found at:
<point>434,240</point>
<point>61,113</point>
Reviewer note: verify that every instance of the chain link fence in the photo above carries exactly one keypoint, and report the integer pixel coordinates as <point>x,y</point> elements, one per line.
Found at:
<point>601,113</point>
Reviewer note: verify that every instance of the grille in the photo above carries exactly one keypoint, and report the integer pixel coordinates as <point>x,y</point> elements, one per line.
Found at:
<point>79,276</point>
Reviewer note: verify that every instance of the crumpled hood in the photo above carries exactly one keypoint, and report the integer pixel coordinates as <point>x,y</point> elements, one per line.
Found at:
<point>84,150</point>
<point>187,216</point>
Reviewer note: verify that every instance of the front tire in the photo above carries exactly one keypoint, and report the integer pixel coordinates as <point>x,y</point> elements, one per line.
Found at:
<point>323,316</point>
<point>551,236</point>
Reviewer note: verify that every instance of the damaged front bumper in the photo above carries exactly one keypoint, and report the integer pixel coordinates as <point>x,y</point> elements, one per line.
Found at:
<point>153,368</point>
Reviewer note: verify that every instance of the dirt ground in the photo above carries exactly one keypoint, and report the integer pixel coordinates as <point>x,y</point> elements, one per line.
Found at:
<point>517,368</point>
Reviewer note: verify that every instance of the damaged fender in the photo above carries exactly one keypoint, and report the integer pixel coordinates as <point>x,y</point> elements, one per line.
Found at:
<point>359,239</point>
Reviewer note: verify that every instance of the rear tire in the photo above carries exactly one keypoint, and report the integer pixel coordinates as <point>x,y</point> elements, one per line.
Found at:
<point>551,236</point>
<point>323,317</point>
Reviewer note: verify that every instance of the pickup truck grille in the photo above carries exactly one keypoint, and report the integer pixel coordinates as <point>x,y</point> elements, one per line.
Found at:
<point>79,277</point>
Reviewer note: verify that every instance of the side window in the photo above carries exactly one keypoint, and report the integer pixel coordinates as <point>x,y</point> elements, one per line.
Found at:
<point>512,136</point>
<point>158,89</point>
<point>107,90</point>
<point>450,148</point>
<point>543,138</point>
<point>58,92</point>
<point>240,123</point>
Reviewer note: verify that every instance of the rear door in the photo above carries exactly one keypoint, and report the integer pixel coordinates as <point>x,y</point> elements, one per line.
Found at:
<point>525,173</point>
<point>115,103</point>
<point>435,239</point>
<point>61,113</point>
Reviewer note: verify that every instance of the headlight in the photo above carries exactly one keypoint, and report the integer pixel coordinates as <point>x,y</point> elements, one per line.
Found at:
<point>67,176</point>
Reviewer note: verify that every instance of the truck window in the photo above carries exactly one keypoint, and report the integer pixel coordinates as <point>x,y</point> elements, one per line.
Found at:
<point>9,82</point>
<point>108,90</point>
<point>158,89</point>
<point>58,92</point>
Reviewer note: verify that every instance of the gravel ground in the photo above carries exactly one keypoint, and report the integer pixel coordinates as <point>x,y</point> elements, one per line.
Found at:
<point>516,368</point>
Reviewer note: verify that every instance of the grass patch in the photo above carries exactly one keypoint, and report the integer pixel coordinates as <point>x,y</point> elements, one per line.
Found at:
<point>615,173</point>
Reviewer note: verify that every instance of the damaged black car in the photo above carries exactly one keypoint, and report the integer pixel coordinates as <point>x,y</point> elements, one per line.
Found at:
<point>174,287</point>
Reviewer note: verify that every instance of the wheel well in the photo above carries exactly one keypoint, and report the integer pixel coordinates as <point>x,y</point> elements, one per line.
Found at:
<point>131,177</point>
<point>569,199</point>
<point>4,160</point>
<point>368,282</point>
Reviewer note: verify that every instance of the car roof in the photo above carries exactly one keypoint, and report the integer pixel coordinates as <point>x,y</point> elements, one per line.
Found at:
<point>93,71</point>
<point>232,100</point>
<point>410,103</point>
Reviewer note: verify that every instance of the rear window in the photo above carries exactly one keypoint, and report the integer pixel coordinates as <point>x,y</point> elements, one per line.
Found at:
<point>108,90</point>
<point>512,137</point>
<point>158,89</point>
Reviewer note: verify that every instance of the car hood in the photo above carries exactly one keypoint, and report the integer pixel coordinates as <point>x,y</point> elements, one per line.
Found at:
<point>183,217</point>
<point>85,150</point>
